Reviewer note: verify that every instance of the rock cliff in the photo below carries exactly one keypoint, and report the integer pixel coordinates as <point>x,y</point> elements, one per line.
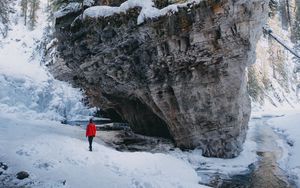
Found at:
<point>179,75</point>
<point>274,80</point>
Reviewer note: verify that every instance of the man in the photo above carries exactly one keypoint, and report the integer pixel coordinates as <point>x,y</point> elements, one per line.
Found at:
<point>90,132</point>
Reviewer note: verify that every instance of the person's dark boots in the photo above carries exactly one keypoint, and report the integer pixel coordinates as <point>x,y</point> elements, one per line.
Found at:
<point>91,149</point>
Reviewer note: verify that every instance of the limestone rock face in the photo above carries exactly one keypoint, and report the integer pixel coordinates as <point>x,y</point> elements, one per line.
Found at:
<point>182,75</point>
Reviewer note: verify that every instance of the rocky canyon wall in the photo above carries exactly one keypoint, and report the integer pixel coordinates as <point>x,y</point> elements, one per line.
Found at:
<point>274,80</point>
<point>180,75</point>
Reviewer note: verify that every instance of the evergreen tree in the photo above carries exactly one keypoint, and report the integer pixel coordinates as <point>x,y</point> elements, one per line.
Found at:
<point>295,36</point>
<point>4,17</point>
<point>32,17</point>
<point>24,7</point>
<point>29,8</point>
<point>296,26</point>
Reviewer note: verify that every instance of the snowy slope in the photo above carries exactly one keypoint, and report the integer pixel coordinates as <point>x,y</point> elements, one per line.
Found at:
<point>53,153</point>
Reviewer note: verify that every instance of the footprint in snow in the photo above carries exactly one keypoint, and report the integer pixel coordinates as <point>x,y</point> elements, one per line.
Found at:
<point>138,184</point>
<point>75,162</point>
<point>44,165</point>
<point>22,152</point>
<point>27,152</point>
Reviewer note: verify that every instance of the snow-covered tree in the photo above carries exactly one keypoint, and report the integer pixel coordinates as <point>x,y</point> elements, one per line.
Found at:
<point>29,8</point>
<point>4,17</point>
<point>296,29</point>
<point>32,17</point>
<point>24,7</point>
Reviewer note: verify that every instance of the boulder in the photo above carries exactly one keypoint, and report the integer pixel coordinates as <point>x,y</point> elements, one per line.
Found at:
<point>22,175</point>
<point>3,166</point>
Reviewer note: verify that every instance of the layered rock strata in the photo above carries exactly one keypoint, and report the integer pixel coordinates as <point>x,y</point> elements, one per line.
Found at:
<point>181,75</point>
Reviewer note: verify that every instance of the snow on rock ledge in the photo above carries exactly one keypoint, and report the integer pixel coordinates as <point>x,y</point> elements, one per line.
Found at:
<point>72,7</point>
<point>148,9</point>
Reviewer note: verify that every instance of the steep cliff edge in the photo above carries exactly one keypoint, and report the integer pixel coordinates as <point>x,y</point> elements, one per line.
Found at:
<point>180,75</point>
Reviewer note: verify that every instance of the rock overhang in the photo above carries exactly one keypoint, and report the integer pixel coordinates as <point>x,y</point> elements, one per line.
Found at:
<point>180,74</point>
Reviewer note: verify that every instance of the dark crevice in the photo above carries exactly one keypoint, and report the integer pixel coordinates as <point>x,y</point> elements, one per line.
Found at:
<point>112,114</point>
<point>140,117</point>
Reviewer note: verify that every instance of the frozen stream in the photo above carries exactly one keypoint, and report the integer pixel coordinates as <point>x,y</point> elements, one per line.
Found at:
<point>266,172</point>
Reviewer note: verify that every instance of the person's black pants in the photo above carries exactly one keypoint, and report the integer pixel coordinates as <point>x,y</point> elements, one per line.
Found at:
<point>91,141</point>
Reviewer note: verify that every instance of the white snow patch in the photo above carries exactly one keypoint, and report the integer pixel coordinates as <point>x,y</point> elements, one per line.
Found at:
<point>148,9</point>
<point>71,7</point>
<point>88,2</point>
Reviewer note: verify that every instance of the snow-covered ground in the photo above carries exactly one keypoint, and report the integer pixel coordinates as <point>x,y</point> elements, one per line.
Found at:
<point>53,153</point>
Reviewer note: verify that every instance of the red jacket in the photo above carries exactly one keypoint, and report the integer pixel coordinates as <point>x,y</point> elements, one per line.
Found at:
<point>91,129</point>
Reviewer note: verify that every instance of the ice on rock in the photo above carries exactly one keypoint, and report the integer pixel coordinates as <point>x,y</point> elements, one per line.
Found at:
<point>27,88</point>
